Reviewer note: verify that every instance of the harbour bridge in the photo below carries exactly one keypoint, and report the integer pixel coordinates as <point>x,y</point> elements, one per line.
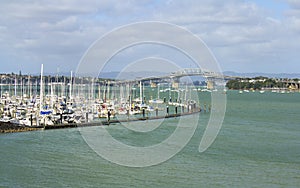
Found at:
<point>174,77</point>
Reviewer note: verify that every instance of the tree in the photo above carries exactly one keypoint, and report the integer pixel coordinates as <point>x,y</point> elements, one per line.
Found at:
<point>258,85</point>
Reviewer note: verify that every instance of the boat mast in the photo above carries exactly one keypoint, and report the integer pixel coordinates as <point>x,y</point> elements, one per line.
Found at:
<point>108,90</point>
<point>15,85</point>
<point>99,94</point>
<point>29,82</point>
<point>56,85</point>
<point>130,95</point>
<point>185,93</point>
<point>71,84</point>
<point>105,92</point>
<point>158,90</point>
<point>52,95</point>
<point>92,89</point>
<point>41,88</point>
<point>141,92</point>
<point>22,88</point>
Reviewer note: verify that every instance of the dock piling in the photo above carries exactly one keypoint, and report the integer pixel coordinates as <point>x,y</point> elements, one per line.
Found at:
<point>31,120</point>
<point>86,117</point>
<point>167,110</point>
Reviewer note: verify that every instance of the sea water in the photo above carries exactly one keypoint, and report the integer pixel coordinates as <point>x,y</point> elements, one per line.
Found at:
<point>258,146</point>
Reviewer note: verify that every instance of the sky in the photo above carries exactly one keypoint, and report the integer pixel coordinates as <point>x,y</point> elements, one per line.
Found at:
<point>243,35</point>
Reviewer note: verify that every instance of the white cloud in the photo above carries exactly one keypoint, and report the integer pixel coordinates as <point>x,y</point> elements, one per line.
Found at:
<point>243,34</point>
<point>239,33</point>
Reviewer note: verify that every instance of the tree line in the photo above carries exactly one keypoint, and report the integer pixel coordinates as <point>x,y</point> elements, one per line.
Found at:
<point>257,83</point>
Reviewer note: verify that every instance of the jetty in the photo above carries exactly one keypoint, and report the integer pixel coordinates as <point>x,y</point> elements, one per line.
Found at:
<point>13,128</point>
<point>6,127</point>
<point>117,121</point>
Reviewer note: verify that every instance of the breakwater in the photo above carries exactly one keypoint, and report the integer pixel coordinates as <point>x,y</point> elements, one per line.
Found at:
<point>6,127</point>
<point>105,122</point>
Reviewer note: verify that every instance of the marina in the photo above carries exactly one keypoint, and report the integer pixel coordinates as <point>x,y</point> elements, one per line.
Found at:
<point>62,102</point>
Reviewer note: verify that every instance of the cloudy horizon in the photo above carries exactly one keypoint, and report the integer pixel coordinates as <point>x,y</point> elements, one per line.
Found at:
<point>244,36</point>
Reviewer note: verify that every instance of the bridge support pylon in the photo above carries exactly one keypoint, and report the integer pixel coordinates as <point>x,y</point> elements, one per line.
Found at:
<point>210,84</point>
<point>153,84</point>
<point>175,83</point>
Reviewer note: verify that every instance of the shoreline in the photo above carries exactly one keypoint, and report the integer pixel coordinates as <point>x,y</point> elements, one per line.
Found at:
<point>6,127</point>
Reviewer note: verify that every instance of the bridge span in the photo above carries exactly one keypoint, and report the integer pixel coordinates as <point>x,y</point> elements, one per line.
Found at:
<point>174,77</point>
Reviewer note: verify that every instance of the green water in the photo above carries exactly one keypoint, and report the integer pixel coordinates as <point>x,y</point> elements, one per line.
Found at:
<point>258,146</point>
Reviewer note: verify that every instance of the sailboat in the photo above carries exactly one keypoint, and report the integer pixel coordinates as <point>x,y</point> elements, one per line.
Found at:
<point>44,113</point>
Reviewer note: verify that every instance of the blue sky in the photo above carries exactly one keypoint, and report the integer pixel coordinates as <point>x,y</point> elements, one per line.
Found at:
<point>244,36</point>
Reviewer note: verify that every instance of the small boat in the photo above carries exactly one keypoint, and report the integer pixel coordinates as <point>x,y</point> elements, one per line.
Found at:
<point>156,101</point>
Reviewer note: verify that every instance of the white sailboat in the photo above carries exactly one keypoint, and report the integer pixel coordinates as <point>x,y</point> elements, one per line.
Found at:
<point>44,113</point>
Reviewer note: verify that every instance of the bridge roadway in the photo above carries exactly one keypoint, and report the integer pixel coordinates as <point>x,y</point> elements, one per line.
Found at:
<point>212,76</point>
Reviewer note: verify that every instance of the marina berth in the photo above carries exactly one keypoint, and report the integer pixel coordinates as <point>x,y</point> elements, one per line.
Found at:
<point>45,102</point>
